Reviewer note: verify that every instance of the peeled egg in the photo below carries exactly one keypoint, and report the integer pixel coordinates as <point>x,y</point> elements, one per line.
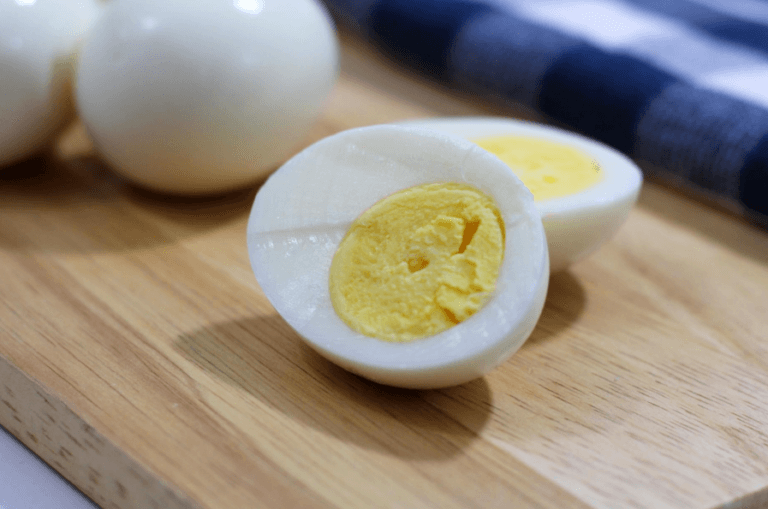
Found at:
<point>39,40</point>
<point>204,96</point>
<point>317,200</point>
<point>580,211</point>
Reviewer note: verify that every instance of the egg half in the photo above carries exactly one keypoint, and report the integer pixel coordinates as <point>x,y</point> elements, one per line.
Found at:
<point>593,187</point>
<point>305,210</point>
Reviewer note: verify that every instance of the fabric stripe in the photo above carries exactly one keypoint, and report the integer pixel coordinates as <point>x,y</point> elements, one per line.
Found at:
<point>755,11</point>
<point>665,42</point>
<point>702,136</point>
<point>718,24</point>
<point>421,33</point>
<point>753,191</point>
<point>492,50</point>
<point>600,94</point>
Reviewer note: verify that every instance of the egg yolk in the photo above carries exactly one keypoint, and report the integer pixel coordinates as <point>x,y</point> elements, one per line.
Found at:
<point>548,169</point>
<point>418,262</point>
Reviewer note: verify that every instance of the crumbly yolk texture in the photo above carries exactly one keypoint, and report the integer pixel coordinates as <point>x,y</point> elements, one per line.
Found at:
<point>418,262</point>
<point>548,169</point>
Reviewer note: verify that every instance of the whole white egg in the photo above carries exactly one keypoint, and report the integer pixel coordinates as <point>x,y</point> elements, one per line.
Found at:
<point>39,40</point>
<point>303,211</point>
<point>577,223</point>
<point>204,96</point>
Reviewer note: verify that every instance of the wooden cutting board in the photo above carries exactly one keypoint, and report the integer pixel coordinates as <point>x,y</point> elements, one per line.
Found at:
<point>140,359</point>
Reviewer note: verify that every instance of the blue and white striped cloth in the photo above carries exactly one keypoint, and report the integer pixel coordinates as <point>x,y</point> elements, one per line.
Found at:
<point>681,86</point>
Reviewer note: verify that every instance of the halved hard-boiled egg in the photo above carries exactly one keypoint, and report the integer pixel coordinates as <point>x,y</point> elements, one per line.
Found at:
<point>410,257</point>
<point>583,189</point>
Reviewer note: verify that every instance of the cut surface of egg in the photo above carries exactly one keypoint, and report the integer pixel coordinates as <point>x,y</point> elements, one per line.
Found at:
<point>436,230</point>
<point>583,189</point>
<point>39,41</point>
<point>206,96</point>
<point>418,262</point>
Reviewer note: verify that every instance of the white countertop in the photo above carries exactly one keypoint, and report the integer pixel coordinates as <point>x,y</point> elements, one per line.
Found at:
<point>26,482</point>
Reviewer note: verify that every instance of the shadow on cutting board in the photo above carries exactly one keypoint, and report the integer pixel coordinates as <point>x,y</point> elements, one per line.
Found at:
<point>79,205</point>
<point>265,358</point>
<point>565,303</point>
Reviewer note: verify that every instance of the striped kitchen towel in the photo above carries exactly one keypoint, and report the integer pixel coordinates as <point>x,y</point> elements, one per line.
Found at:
<point>681,86</point>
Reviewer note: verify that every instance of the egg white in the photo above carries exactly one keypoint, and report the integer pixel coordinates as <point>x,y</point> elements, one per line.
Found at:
<point>303,211</point>
<point>577,224</point>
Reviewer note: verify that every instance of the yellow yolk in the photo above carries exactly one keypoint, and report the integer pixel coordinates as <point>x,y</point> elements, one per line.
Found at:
<point>548,169</point>
<point>418,262</point>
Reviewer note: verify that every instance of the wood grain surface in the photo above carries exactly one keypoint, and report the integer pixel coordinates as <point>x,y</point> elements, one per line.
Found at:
<point>139,357</point>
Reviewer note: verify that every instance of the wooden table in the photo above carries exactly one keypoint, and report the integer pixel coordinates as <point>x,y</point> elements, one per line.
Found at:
<point>140,359</point>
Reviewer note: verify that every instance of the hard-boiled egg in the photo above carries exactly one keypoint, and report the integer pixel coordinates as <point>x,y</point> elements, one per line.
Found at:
<point>424,212</point>
<point>39,40</point>
<point>204,96</point>
<point>583,189</point>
